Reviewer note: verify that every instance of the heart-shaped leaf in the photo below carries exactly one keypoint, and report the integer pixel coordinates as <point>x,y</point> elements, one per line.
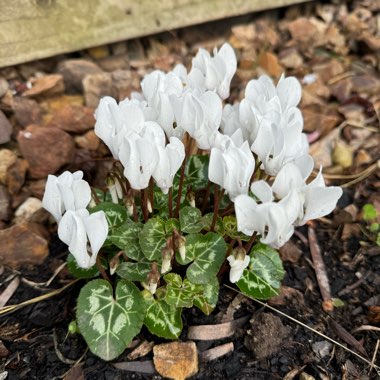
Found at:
<point>262,278</point>
<point>134,271</point>
<point>207,221</point>
<point>109,324</point>
<point>190,220</point>
<point>116,214</point>
<point>153,238</point>
<point>196,172</point>
<point>162,319</point>
<point>178,293</point>
<point>230,228</point>
<point>207,253</point>
<point>126,238</point>
<point>206,301</point>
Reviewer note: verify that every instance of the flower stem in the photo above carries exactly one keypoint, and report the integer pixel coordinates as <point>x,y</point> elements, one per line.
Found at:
<point>179,195</point>
<point>101,269</point>
<point>170,202</point>
<point>207,194</point>
<point>144,204</point>
<point>218,195</point>
<point>151,192</point>
<point>249,245</point>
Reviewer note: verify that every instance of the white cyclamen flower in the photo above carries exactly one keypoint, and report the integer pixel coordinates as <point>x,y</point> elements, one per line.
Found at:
<point>158,88</point>
<point>170,159</point>
<point>77,229</point>
<point>66,192</point>
<point>199,116</point>
<point>232,168</point>
<point>139,154</point>
<point>315,199</point>
<point>237,263</point>
<point>217,71</point>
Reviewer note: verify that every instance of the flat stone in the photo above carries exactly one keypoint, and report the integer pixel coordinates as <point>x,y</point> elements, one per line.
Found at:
<point>5,129</point>
<point>26,111</point>
<point>31,210</point>
<point>16,175</point>
<point>22,245</point>
<point>7,159</point>
<point>46,86</point>
<point>303,30</point>
<point>290,58</point>
<point>176,360</point>
<point>96,86</point>
<point>88,141</point>
<point>46,149</point>
<point>74,71</point>
<point>73,118</point>
<point>5,204</point>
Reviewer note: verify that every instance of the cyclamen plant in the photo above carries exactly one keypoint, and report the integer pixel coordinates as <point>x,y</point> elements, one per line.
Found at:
<point>197,187</point>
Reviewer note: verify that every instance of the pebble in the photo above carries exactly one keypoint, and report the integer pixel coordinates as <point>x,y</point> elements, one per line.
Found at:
<point>21,244</point>
<point>31,210</point>
<point>46,86</point>
<point>74,71</point>
<point>26,111</point>
<point>46,149</point>
<point>5,129</point>
<point>88,141</point>
<point>96,86</point>
<point>73,118</point>
<point>16,175</point>
<point>5,204</point>
<point>176,360</point>
<point>7,159</point>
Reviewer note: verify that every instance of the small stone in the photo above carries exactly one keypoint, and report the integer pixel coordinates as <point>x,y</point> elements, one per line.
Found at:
<point>5,129</point>
<point>31,210</point>
<point>3,86</point>
<point>5,204</point>
<point>73,118</point>
<point>124,83</point>
<point>329,70</point>
<point>74,71</point>
<point>115,62</point>
<point>341,90</point>
<point>22,245</point>
<point>88,141</point>
<point>343,155</point>
<point>290,58</point>
<point>45,149</point>
<point>98,52</point>
<point>26,111</point>
<point>266,335</point>
<point>176,360</point>
<point>303,30</point>
<point>37,188</point>
<point>269,62</point>
<point>46,86</point>
<point>290,252</point>
<point>367,84</point>
<point>96,86</point>
<point>16,175</point>
<point>7,159</point>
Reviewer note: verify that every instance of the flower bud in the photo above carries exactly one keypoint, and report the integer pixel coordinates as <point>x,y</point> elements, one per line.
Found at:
<point>191,198</point>
<point>238,260</point>
<point>167,254</point>
<point>115,189</point>
<point>180,243</point>
<point>129,202</point>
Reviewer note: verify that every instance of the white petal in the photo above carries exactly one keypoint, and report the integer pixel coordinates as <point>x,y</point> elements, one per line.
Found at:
<point>262,190</point>
<point>289,91</point>
<point>82,194</point>
<point>52,200</point>
<point>216,167</point>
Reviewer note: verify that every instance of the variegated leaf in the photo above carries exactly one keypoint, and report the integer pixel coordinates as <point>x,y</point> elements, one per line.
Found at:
<point>207,300</point>
<point>152,239</point>
<point>134,271</point>
<point>190,220</point>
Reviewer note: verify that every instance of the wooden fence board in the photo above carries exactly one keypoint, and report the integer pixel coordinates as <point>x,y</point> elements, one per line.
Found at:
<point>33,29</point>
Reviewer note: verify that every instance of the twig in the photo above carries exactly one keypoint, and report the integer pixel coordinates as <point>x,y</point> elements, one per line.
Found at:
<point>249,245</point>
<point>376,367</point>
<point>320,271</point>
<point>374,356</point>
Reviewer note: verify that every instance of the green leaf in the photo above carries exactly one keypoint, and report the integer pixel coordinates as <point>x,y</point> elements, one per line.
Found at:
<point>109,324</point>
<point>171,225</point>
<point>79,272</point>
<point>134,271</point>
<point>190,220</point>
<point>230,228</point>
<point>207,300</point>
<point>162,319</point>
<point>178,293</point>
<point>153,238</point>
<point>207,253</point>
<point>126,238</point>
<point>196,172</point>
<point>262,278</point>
<point>116,215</point>
<point>207,221</point>
<point>369,212</point>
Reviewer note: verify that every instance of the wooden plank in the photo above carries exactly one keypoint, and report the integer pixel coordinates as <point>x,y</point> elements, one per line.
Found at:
<point>32,29</point>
